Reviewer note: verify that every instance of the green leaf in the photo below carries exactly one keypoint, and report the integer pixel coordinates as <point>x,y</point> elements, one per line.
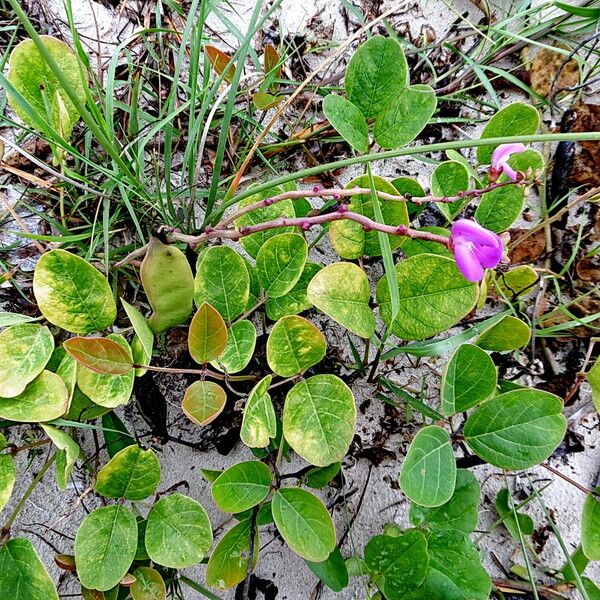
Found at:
<point>255,289</point>
<point>105,547</point>
<point>449,179</point>
<point>294,345</point>
<point>455,571</point>
<point>406,117</point>
<point>242,486</point>
<point>507,335</point>
<point>413,246</point>
<point>203,402</point>
<point>398,564</point>
<point>590,528</point>
<point>319,417</point>
<point>579,561</point>
<point>376,74</point>
<point>101,355</point>
<point>241,341</point>
<point>83,409</point>
<point>31,76</point>
<point>428,473</point>
<point>410,186</point>
<point>22,573</point>
<point>295,301</point>
<point>168,281</point>
<point>8,476</point>
<point>259,424</point>
<point>24,352</point>
<point>8,319</point>
<point>68,453</point>
<point>148,585</point>
<point>207,336</point>
<point>264,101</point>
<point>437,347</point>
<point>341,290</point>
<point>109,391</point>
<point>304,523</point>
<point>517,282</point>
<point>469,378</point>
<point>349,239</point>
<point>133,474</point>
<point>434,296</point>
<point>518,429</point>
<point>460,512</point>
<point>280,262</point>
<point>116,435</point>
<point>332,571</point>
<point>515,119</point>
<point>72,294</point>
<point>318,477</point>
<point>593,378</point>
<point>67,371</point>
<point>44,399</point>
<point>178,534</point>
<point>588,12</point>
<point>348,121</point>
<point>253,242</point>
<point>222,280</point>
<point>228,564</point>
<point>500,208</point>
<point>144,337</point>
<point>525,523</point>
<point>591,589</point>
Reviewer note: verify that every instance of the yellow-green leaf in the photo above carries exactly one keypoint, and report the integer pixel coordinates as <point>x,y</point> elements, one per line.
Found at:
<point>207,337</point>
<point>341,290</point>
<point>24,352</point>
<point>203,402</point>
<point>72,294</point>
<point>294,345</point>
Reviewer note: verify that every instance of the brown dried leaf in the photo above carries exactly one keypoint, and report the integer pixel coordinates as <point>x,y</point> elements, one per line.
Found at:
<point>588,269</point>
<point>219,60</point>
<point>529,249</point>
<point>585,169</point>
<point>550,73</point>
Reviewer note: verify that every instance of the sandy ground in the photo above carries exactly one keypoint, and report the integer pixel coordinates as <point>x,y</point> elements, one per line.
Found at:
<point>372,497</point>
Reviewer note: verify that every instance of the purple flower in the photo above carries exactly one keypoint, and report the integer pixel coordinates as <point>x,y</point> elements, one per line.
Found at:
<point>475,248</point>
<point>500,160</point>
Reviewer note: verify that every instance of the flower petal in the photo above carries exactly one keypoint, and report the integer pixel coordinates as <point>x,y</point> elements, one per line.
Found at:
<point>503,152</point>
<point>489,255</point>
<point>509,171</point>
<point>467,263</point>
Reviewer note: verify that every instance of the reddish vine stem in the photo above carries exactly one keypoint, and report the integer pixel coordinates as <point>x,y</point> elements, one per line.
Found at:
<point>305,223</point>
<point>223,231</point>
<point>337,193</point>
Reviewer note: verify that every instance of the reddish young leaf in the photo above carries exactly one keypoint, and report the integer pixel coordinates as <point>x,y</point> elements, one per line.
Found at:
<point>100,355</point>
<point>219,60</point>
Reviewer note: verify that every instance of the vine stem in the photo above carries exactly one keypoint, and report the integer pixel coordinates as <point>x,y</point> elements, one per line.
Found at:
<point>221,230</point>
<point>305,223</point>
<point>592,136</point>
<point>203,372</point>
<point>6,529</point>
<point>318,192</point>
